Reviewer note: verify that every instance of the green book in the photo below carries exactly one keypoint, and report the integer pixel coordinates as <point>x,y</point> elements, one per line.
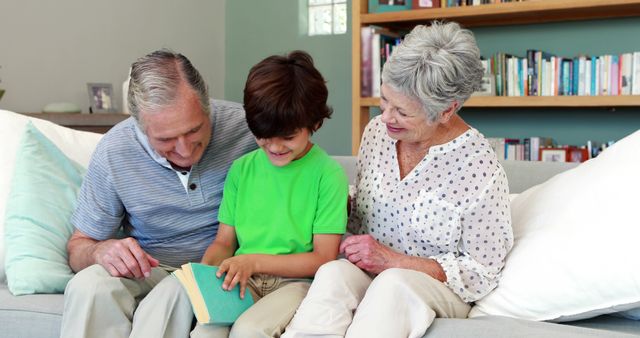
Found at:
<point>211,303</point>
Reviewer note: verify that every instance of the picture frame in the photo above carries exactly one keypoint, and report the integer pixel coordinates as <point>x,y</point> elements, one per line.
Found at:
<point>553,154</point>
<point>101,98</point>
<point>380,6</point>
<point>423,4</point>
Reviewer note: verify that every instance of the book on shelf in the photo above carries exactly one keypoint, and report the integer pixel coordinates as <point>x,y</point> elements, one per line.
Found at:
<point>625,73</point>
<point>497,144</point>
<point>513,150</point>
<point>210,302</point>
<point>366,70</point>
<point>376,64</point>
<point>587,76</point>
<point>532,73</point>
<point>533,144</point>
<point>635,74</point>
<point>421,4</point>
<point>613,77</point>
<point>377,45</point>
<point>605,79</point>
<point>582,64</point>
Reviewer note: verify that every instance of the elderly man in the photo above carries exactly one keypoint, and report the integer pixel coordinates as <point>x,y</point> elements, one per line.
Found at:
<point>149,203</point>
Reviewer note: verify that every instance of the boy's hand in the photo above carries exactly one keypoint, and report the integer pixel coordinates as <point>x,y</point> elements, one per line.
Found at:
<point>238,269</point>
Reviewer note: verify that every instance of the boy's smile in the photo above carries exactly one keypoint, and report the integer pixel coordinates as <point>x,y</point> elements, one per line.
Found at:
<point>283,150</point>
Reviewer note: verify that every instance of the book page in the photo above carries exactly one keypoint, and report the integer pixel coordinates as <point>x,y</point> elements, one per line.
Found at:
<point>185,277</point>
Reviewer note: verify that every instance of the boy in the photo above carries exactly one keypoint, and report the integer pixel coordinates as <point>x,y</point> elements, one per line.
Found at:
<point>284,206</point>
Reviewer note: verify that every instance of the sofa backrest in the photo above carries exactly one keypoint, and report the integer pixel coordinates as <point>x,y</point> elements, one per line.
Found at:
<point>521,174</point>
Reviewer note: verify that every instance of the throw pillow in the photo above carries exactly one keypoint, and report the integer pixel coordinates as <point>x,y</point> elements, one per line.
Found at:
<point>41,199</point>
<point>77,145</point>
<point>576,239</point>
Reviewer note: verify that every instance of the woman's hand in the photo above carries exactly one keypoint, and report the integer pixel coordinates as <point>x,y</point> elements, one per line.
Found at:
<point>367,253</point>
<point>238,269</point>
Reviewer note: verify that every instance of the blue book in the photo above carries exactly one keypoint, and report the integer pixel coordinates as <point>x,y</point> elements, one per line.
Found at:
<point>210,302</point>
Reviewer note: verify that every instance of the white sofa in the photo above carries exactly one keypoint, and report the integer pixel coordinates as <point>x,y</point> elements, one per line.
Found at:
<point>39,315</point>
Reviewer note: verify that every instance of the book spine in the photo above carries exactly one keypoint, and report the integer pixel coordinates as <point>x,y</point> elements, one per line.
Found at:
<point>534,145</point>
<point>523,77</point>
<point>615,70</point>
<point>625,76</point>
<point>553,76</point>
<point>503,71</point>
<point>576,76</point>
<point>538,56</point>
<point>635,77</point>
<point>527,149</point>
<point>594,71</point>
<point>498,72</point>
<point>581,75</point>
<point>365,62</point>
<point>587,77</point>
<point>531,73</point>
<point>376,65</point>
<point>598,76</point>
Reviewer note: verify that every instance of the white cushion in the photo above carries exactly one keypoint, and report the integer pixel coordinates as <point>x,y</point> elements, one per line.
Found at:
<point>77,145</point>
<point>576,238</point>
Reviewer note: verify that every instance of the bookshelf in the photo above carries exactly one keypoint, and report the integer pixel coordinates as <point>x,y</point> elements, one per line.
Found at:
<point>530,11</point>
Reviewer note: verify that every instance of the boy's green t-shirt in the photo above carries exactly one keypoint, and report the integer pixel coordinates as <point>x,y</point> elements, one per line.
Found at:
<point>277,210</point>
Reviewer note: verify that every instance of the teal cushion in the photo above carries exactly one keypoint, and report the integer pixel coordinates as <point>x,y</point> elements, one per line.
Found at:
<point>41,199</point>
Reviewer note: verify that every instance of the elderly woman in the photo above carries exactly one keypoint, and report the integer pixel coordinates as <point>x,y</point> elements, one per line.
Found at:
<point>431,215</point>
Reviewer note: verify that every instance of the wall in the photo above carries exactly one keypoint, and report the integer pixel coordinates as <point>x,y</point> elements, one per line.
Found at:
<point>49,50</point>
<point>258,28</point>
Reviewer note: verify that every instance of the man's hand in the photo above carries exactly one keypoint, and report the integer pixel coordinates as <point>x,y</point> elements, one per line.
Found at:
<point>367,253</point>
<point>124,258</point>
<point>239,269</point>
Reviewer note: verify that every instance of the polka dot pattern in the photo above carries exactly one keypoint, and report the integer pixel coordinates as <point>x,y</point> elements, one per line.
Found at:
<point>452,207</point>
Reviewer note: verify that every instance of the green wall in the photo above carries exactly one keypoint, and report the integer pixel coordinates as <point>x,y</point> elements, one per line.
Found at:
<point>258,28</point>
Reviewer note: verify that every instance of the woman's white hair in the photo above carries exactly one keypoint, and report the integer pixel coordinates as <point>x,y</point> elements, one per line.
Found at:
<point>437,64</point>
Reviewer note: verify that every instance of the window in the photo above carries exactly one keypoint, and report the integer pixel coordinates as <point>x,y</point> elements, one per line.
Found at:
<point>327,17</point>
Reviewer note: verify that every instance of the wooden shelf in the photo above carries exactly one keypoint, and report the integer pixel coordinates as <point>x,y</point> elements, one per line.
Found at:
<point>537,101</point>
<point>98,122</point>
<point>531,11</point>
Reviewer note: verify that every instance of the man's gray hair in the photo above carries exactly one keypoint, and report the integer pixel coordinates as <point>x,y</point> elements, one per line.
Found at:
<point>437,65</point>
<point>154,82</point>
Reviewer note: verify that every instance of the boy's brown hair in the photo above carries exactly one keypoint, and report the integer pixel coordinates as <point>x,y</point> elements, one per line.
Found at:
<point>284,94</point>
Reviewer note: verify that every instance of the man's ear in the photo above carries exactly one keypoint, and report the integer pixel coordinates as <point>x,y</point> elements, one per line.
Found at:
<point>448,113</point>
